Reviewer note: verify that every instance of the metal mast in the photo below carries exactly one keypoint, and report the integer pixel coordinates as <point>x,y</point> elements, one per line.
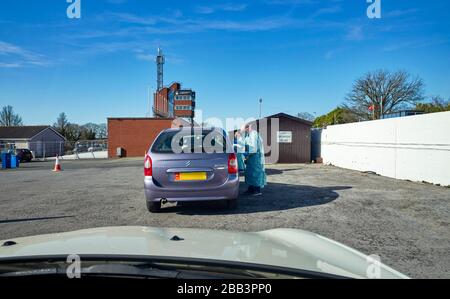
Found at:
<point>260,108</point>
<point>159,69</point>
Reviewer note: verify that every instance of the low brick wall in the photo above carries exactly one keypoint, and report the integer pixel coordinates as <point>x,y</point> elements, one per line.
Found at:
<point>134,135</point>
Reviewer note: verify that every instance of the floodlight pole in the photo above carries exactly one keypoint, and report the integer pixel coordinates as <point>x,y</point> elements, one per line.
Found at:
<point>260,108</point>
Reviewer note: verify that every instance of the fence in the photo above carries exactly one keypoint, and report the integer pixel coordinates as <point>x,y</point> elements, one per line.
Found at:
<point>415,148</point>
<point>43,150</point>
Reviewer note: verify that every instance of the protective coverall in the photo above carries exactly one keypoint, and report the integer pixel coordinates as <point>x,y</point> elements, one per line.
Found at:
<point>255,175</point>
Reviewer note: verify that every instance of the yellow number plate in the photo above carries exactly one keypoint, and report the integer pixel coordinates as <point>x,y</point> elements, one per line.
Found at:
<point>191,176</point>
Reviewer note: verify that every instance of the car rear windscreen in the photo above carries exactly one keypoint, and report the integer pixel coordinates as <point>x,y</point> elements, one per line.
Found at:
<point>190,141</point>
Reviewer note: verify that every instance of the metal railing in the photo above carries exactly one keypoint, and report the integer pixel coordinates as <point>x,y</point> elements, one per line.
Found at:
<point>43,150</point>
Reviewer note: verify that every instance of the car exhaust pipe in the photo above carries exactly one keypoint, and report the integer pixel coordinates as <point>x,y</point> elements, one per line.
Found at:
<point>163,201</point>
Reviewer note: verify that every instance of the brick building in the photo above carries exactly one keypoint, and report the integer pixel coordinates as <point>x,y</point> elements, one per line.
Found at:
<point>163,101</point>
<point>135,135</point>
<point>173,101</point>
<point>184,105</point>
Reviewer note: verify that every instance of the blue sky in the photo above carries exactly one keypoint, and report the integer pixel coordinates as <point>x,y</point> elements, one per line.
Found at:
<point>298,55</point>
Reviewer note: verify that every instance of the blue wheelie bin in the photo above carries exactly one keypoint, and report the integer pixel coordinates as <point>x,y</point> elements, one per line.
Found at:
<point>6,160</point>
<point>13,161</point>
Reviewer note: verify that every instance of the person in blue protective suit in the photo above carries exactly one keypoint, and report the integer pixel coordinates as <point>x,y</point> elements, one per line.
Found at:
<point>255,175</point>
<point>240,149</point>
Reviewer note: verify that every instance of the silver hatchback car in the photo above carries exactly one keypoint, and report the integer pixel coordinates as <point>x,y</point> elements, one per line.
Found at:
<point>190,165</point>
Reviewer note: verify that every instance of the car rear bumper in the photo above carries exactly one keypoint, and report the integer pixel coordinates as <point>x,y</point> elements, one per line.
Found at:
<point>229,190</point>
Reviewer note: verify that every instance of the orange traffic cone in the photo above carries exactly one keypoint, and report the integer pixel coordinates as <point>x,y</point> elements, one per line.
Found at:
<point>57,165</point>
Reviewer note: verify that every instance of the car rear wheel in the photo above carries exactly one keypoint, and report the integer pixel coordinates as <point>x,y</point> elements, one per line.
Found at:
<point>154,207</point>
<point>232,204</point>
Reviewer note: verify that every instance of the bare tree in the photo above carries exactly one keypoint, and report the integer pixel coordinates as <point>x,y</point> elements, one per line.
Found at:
<point>102,131</point>
<point>306,116</point>
<point>61,123</point>
<point>73,132</point>
<point>381,92</point>
<point>8,118</point>
<point>99,130</point>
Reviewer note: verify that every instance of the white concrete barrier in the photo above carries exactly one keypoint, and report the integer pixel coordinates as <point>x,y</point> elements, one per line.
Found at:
<point>415,148</point>
<point>87,155</point>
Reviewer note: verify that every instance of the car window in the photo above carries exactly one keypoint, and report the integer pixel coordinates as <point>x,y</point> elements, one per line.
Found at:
<point>190,142</point>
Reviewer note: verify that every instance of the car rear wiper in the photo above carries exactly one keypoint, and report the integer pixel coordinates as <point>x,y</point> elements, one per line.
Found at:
<point>128,270</point>
<point>121,270</point>
<point>166,271</point>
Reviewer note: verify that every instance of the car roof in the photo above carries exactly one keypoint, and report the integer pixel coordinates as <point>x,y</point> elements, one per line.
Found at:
<point>195,128</point>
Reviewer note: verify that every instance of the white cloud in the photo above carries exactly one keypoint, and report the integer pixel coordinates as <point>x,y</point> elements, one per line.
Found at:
<point>180,24</point>
<point>220,7</point>
<point>329,54</point>
<point>416,44</point>
<point>399,13</point>
<point>290,2</point>
<point>130,18</point>
<point>332,53</point>
<point>327,11</point>
<point>355,33</point>
<point>146,57</point>
<point>13,56</point>
<point>10,65</point>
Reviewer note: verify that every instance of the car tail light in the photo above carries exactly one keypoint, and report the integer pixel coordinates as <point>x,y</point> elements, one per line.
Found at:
<point>148,166</point>
<point>232,164</point>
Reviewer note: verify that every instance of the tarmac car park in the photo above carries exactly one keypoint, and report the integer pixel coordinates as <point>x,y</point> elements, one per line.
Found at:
<point>404,223</point>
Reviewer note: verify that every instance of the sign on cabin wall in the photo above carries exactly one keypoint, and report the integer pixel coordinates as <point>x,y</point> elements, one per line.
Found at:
<point>284,136</point>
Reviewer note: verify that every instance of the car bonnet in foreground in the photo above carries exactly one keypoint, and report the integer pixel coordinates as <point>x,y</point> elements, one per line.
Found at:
<point>278,247</point>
